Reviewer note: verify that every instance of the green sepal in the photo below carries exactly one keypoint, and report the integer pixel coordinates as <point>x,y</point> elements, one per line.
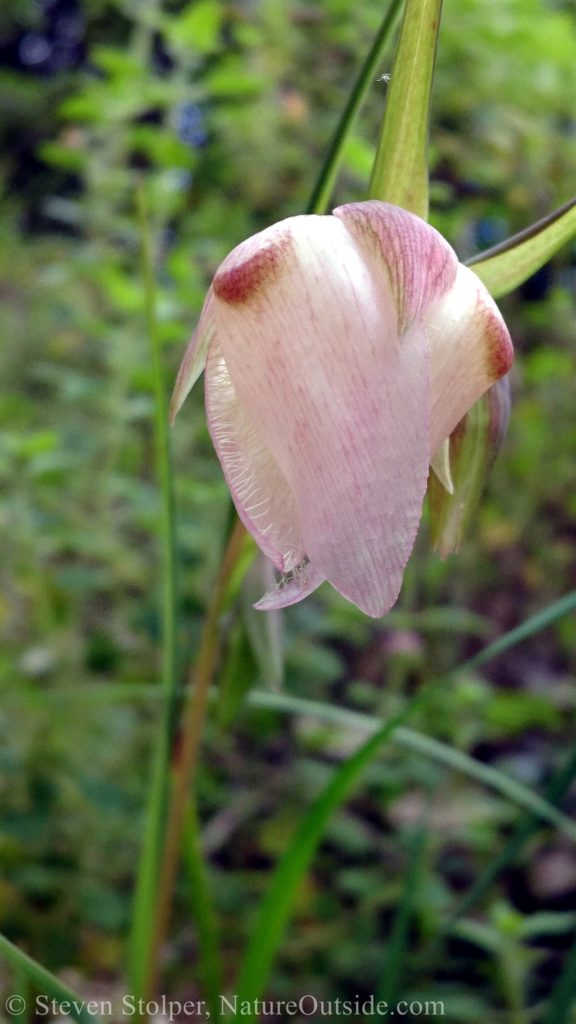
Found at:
<point>512,262</point>
<point>474,445</point>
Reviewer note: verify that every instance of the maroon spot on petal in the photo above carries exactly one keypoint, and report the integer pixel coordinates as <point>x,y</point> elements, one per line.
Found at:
<point>499,350</point>
<point>241,278</point>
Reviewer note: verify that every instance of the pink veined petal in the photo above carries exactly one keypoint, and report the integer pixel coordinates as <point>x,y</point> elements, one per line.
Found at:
<point>291,588</point>
<point>308,329</point>
<point>194,357</point>
<point>261,495</point>
<point>470,347</point>
<point>419,263</point>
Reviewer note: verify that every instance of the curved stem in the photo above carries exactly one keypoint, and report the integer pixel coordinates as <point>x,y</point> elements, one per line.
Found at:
<point>193,719</point>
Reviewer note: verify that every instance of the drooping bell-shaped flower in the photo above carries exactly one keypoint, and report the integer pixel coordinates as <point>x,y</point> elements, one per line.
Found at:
<point>340,352</point>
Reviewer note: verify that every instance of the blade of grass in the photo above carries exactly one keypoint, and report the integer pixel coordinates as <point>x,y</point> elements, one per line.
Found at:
<point>426,746</point>
<point>400,173</point>
<point>139,945</point>
<point>524,831</point>
<point>561,1005</point>
<point>320,198</point>
<point>46,983</point>
<point>209,962</point>
<point>397,947</point>
<point>274,912</point>
<point>276,907</point>
<point>536,623</point>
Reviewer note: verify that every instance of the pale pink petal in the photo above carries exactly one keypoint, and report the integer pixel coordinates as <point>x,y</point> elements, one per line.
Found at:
<point>194,357</point>
<point>418,262</point>
<point>470,347</point>
<point>291,588</point>
<point>262,497</point>
<point>308,329</point>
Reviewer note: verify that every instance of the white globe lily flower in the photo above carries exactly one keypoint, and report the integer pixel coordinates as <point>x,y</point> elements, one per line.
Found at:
<point>340,353</point>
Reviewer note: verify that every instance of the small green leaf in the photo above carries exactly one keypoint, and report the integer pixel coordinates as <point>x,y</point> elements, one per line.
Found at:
<point>512,262</point>
<point>400,173</point>
<point>197,29</point>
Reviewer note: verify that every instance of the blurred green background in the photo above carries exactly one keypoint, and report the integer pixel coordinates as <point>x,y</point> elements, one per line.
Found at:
<point>225,109</point>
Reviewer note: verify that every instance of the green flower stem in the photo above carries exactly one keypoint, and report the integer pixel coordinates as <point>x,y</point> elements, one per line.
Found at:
<point>320,198</point>
<point>139,939</point>
<point>193,720</point>
<point>400,172</point>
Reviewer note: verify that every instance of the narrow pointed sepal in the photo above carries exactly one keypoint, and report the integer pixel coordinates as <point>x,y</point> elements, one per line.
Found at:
<point>440,464</point>
<point>474,445</point>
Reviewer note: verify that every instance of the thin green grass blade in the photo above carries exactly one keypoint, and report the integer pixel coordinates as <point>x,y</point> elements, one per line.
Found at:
<point>320,198</point>
<point>509,264</point>
<point>139,943</point>
<point>400,173</point>
<point>209,964</point>
<point>46,983</point>
<point>561,1006</point>
<point>524,831</point>
<point>21,1012</point>
<point>430,748</point>
<point>536,623</point>
<point>276,907</point>
<point>397,948</point>
<point>274,912</point>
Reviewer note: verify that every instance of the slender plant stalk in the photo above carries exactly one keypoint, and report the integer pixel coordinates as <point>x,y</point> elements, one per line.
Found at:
<point>320,198</point>
<point>193,719</point>
<point>400,172</point>
<point>210,969</point>
<point>139,941</point>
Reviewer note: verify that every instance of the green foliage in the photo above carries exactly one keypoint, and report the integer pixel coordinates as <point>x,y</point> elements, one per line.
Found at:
<point>225,110</point>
